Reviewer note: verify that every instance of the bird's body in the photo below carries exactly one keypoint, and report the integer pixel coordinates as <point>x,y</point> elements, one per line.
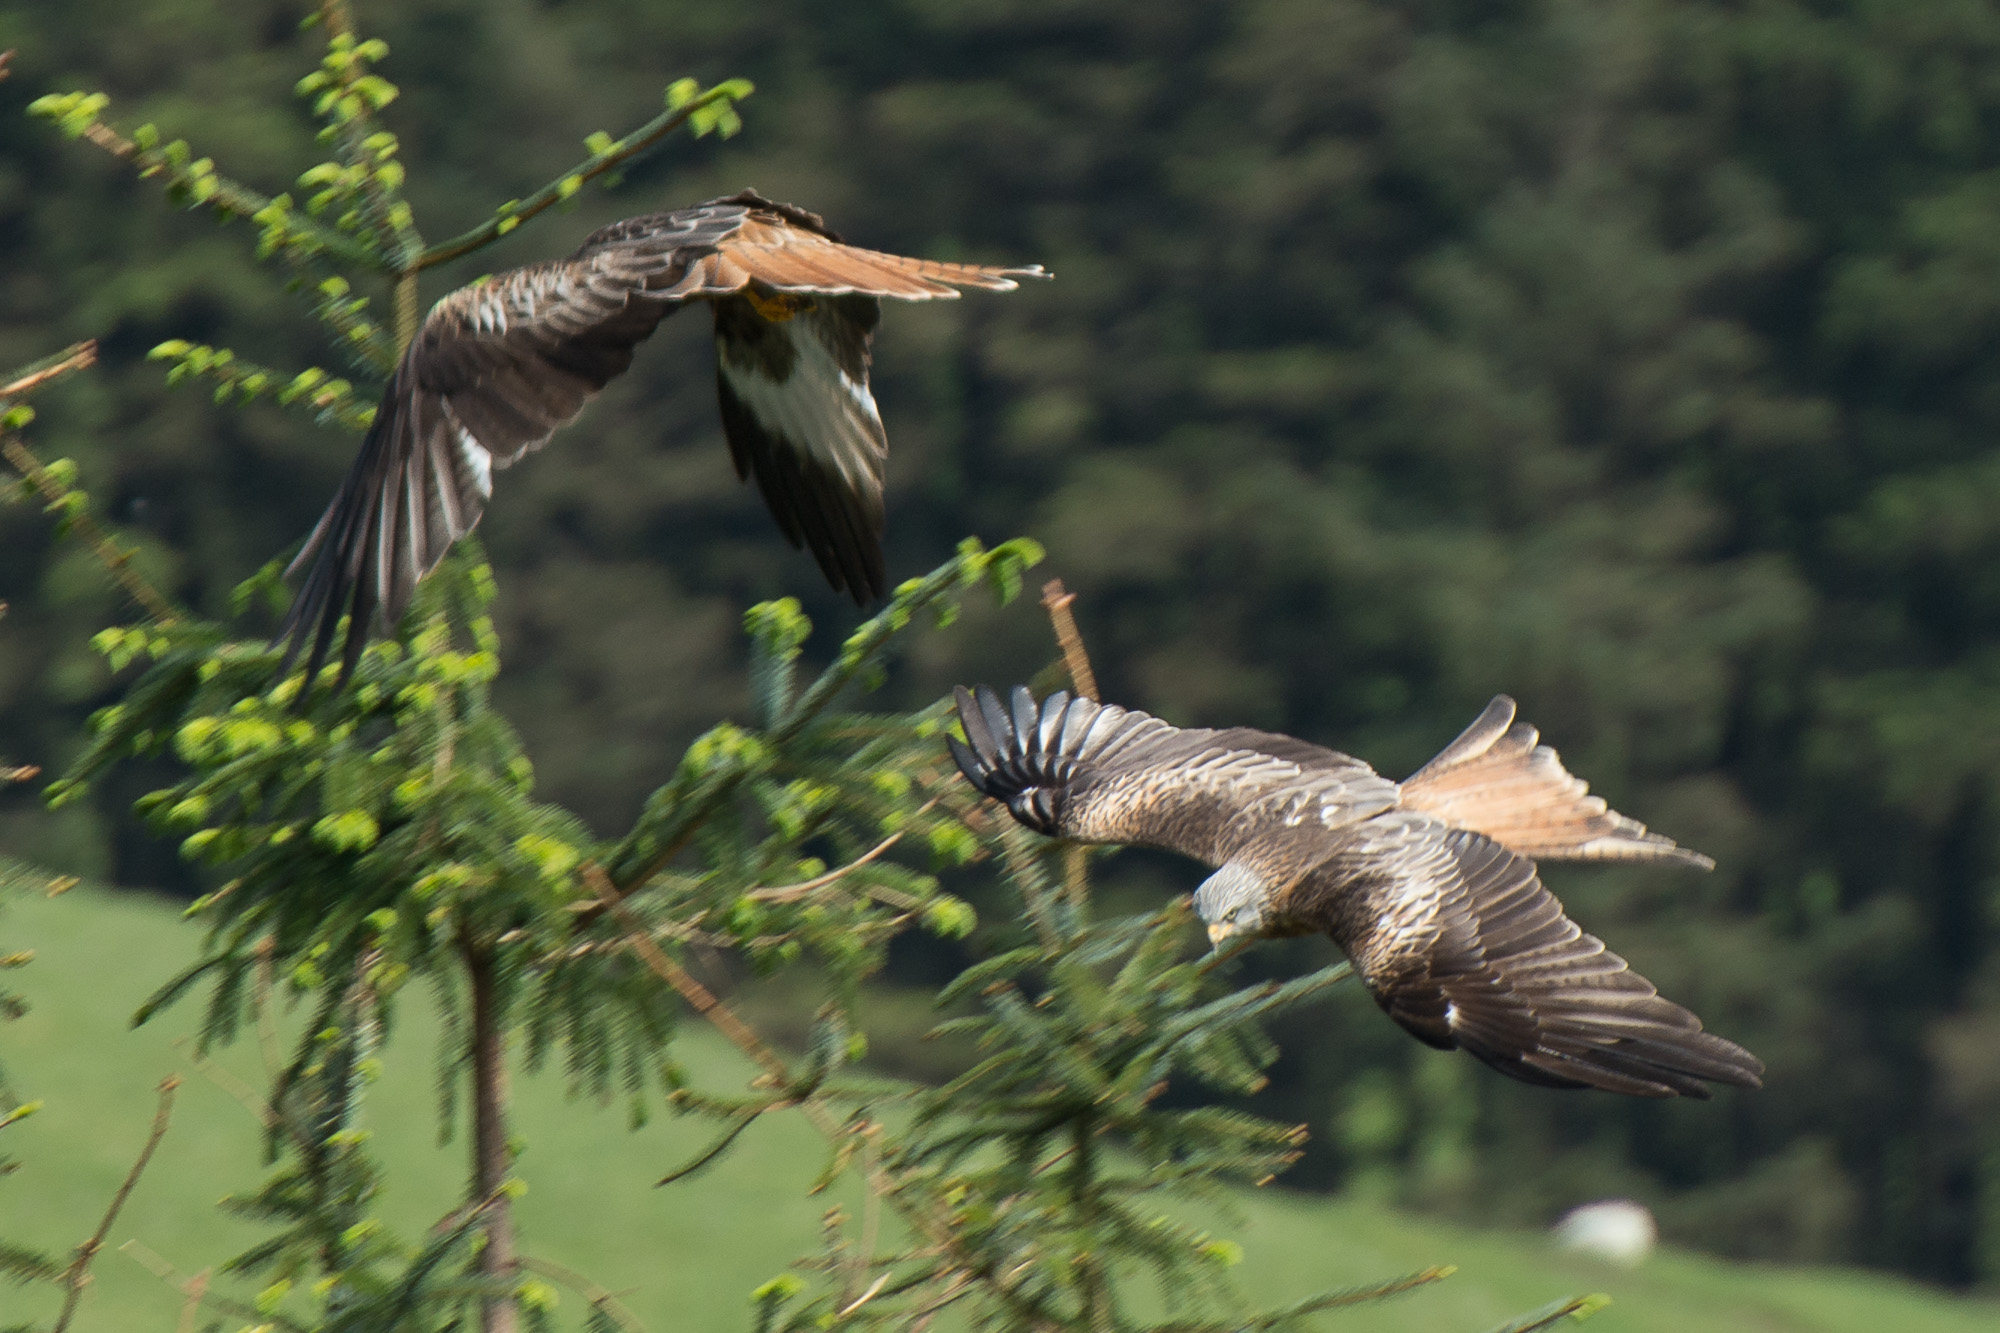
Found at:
<point>1428,885</point>
<point>500,365</point>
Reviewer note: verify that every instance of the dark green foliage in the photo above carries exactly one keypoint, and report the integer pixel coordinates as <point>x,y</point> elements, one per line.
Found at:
<point>1635,360</point>
<point>387,830</point>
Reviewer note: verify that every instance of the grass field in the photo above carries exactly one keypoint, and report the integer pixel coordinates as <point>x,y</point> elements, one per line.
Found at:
<point>686,1257</point>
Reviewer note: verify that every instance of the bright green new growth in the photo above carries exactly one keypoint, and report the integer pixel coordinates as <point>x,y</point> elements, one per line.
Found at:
<point>389,834</point>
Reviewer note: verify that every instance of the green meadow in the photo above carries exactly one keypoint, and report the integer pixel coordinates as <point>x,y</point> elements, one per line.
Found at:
<point>685,1257</point>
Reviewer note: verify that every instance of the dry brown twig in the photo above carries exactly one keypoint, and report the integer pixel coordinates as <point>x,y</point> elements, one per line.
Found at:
<point>784,893</point>
<point>82,356</point>
<point>77,1276</point>
<point>195,1288</point>
<point>1057,600</point>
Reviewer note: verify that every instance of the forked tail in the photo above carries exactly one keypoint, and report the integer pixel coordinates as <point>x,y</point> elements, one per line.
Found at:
<point>1497,780</point>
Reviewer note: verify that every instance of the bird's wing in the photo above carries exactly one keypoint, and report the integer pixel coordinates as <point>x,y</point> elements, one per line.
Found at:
<point>1458,940</point>
<point>1100,773</point>
<point>1497,780</point>
<point>499,366</point>
<point>792,357</point>
<point>495,370</point>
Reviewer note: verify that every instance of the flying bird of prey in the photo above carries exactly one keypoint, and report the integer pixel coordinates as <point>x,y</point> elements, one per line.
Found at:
<point>1428,885</point>
<point>500,365</point>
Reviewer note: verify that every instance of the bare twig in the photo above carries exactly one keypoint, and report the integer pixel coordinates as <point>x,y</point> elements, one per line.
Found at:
<point>1058,599</point>
<point>230,196</point>
<point>251,1100</point>
<point>785,893</point>
<point>195,1288</point>
<point>871,1214</point>
<point>492,1156</point>
<point>697,995</point>
<point>151,1260</point>
<point>866,1296</point>
<point>262,992</point>
<point>567,184</point>
<point>81,356</point>
<point>77,1276</point>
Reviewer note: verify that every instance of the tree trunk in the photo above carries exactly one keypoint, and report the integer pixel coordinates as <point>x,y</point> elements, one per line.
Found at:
<point>489,1136</point>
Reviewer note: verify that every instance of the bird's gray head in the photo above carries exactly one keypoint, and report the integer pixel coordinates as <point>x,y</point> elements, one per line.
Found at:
<point>1232,902</point>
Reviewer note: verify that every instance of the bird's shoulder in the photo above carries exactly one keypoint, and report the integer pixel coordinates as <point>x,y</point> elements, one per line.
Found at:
<point>494,305</point>
<point>1239,783</point>
<point>705,225</point>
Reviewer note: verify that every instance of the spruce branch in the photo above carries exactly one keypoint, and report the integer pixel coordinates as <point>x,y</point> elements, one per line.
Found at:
<point>1333,1300</point>
<point>349,107</point>
<point>195,180</point>
<point>699,997</point>
<point>721,762</point>
<point>59,497</point>
<point>927,1220</point>
<point>335,306</point>
<point>1575,1307</point>
<point>55,484</point>
<point>710,109</point>
<point>77,1276</point>
<point>329,399</point>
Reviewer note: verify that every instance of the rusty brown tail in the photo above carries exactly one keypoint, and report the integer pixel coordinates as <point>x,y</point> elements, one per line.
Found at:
<point>1496,780</point>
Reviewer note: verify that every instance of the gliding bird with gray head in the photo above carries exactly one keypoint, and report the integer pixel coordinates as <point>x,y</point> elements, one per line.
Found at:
<point>1429,885</point>
<point>499,366</point>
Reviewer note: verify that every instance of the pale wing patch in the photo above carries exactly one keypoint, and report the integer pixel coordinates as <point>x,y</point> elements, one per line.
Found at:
<point>478,460</point>
<point>818,409</point>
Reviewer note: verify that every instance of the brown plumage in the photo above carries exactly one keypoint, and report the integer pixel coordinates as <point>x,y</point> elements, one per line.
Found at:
<point>500,365</point>
<point>1428,885</point>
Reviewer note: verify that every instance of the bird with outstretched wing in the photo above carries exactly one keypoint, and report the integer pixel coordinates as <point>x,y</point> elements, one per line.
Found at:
<point>501,365</point>
<point>1428,885</point>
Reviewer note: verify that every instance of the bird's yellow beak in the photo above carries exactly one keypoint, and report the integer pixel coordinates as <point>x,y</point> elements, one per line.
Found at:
<point>1217,933</point>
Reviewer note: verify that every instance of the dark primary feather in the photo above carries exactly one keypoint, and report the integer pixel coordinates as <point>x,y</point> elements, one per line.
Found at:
<point>1453,933</point>
<point>798,415</point>
<point>500,366</point>
<point>1460,943</point>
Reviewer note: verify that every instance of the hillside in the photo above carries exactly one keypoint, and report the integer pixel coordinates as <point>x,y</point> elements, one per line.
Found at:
<point>687,1257</point>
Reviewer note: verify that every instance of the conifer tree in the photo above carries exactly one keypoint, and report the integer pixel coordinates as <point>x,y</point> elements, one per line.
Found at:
<point>389,835</point>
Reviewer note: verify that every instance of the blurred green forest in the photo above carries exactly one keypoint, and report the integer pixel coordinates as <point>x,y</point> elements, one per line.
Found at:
<point>1638,358</point>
